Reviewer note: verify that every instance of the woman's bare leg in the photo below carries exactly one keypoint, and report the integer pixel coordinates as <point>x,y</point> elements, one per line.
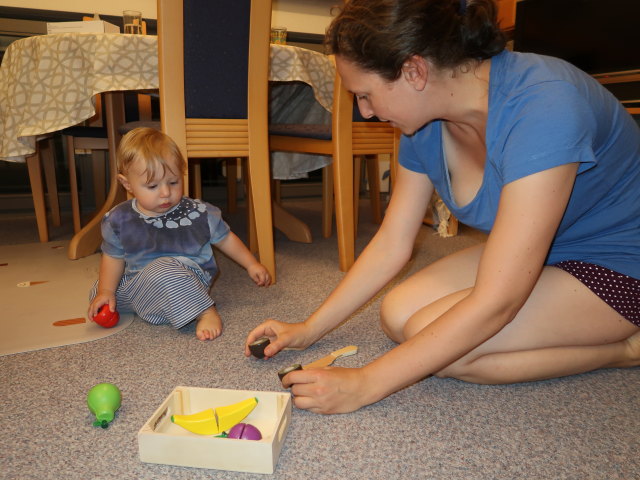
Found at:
<point>448,275</point>
<point>562,329</point>
<point>545,363</point>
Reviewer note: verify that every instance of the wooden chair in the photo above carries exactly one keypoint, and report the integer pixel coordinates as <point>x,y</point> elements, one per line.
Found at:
<point>93,136</point>
<point>214,70</point>
<point>343,140</point>
<point>43,159</point>
<point>371,140</point>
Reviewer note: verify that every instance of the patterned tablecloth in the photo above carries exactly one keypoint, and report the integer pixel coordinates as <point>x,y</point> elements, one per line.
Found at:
<point>289,63</point>
<point>48,82</point>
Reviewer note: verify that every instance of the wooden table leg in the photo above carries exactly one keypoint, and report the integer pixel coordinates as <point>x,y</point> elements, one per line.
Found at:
<point>87,240</point>
<point>48,164</point>
<point>293,228</point>
<point>37,187</point>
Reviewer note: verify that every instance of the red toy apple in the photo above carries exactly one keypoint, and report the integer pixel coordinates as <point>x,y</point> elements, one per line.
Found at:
<point>106,318</point>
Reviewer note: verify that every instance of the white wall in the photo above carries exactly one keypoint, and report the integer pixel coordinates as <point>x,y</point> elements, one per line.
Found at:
<point>110,7</point>
<point>309,16</point>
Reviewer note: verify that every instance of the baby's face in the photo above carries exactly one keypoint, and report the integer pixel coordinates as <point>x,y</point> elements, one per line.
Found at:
<point>157,195</point>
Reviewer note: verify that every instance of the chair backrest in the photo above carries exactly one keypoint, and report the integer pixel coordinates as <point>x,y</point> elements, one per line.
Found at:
<point>341,119</point>
<point>220,50</point>
<point>208,50</point>
<point>363,136</point>
<point>216,46</point>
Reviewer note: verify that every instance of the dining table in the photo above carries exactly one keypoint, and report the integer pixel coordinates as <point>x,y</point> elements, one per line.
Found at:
<point>50,82</point>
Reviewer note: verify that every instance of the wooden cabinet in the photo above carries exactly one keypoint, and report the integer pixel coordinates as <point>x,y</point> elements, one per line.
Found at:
<point>507,14</point>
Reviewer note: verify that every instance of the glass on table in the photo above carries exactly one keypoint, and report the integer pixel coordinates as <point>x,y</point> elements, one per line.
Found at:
<point>279,35</point>
<point>132,20</point>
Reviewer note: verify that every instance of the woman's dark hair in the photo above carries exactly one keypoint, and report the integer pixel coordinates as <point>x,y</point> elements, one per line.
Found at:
<point>380,35</point>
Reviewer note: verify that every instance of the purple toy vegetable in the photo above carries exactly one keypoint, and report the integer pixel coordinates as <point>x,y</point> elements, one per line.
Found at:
<point>245,431</point>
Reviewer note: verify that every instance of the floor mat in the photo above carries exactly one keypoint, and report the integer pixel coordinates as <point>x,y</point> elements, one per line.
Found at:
<point>44,298</point>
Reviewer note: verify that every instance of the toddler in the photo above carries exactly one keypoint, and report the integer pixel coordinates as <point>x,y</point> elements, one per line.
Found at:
<point>157,259</point>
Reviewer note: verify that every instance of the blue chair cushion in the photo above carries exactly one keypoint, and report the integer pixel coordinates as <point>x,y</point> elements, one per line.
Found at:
<point>319,132</point>
<point>85,132</point>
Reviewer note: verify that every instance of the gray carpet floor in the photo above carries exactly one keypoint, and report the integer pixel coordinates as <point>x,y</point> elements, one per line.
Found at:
<point>581,427</point>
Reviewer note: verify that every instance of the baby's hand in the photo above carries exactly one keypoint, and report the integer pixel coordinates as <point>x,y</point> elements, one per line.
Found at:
<point>100,300</point>
<point>259,274</point>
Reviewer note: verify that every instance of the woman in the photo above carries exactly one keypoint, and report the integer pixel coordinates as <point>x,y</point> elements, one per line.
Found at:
<point>522,146</point>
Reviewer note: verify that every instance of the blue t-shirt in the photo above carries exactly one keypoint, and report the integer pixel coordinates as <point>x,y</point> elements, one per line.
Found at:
<point>185,232</point>
<point>543,112</point>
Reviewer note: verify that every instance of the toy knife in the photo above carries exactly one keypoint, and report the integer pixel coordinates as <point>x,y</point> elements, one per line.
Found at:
<point>322,362</point>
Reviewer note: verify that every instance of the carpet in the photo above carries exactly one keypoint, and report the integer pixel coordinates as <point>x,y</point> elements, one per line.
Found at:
<point>45,298</point>
<point>583,427</point>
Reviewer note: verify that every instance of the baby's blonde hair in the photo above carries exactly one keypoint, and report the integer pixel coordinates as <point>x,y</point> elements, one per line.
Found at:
<point>156,150</point>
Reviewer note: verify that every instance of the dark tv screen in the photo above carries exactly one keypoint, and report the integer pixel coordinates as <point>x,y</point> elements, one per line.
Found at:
<point>597,36</point>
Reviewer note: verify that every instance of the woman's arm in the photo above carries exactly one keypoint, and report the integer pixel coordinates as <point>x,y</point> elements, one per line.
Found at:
<point>385,255</point>
<point>381,260</point>
<point>529,213</point>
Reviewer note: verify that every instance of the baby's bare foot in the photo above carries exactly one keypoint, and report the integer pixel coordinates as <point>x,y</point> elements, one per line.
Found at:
<point>209,325</point>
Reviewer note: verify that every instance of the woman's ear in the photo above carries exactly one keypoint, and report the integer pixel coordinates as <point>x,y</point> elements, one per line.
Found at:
<point>415,71</point>
<point>125,182</point>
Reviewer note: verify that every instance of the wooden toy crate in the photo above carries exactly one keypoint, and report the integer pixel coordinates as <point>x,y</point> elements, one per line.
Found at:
<point>161,441</point>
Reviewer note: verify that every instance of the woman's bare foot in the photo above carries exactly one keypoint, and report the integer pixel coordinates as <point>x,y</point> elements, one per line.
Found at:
<point>209,324</point>
<point>633,349</point>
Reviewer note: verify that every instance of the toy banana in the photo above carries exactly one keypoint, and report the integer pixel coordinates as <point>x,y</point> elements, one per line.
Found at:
<point>214,421</point>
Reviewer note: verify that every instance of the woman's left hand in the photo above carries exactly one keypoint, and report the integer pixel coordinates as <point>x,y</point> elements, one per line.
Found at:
<point>328,390</point>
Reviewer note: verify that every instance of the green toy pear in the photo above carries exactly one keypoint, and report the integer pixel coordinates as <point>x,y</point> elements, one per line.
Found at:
<point>103,401</point>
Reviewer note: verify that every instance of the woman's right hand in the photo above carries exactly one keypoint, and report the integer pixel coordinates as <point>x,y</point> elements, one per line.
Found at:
<point>281,335</point>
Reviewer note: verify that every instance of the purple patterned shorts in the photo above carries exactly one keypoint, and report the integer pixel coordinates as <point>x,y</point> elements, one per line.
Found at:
<point>620,292</point>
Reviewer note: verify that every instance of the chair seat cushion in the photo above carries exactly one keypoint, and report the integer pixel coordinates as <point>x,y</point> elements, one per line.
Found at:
<point>319,132</point>
<point>127,127</point>
<point>85,132</point>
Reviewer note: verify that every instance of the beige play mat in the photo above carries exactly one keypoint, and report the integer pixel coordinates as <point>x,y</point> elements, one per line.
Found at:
<point>44,298</point>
